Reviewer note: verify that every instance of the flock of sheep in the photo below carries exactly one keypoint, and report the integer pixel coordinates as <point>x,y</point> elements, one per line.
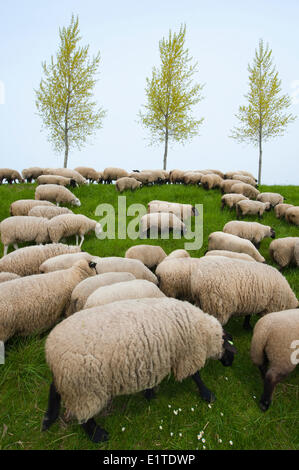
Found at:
<point>132,320</point>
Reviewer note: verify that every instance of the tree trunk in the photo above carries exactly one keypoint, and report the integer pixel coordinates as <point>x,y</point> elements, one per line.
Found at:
<point>260,158</point>
<point>66,149</point>
<point>165,150</point>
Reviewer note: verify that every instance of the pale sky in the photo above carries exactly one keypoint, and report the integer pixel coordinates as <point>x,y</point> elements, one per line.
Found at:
<point>221,37</point>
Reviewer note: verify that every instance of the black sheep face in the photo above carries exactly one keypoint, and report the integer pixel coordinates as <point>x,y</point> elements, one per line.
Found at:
<point>229,350</point>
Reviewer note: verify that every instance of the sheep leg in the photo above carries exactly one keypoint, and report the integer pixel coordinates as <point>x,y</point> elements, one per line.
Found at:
<point>82,240</point>
<point>95,433</point>
<point>15,245</point>
<point>246,324</point>
<point>257,245</point>
<point>270,382</point>
<point>5,250</point>
<point>263,368</point>
<point>205,393</point>
<point>52,412</point>
<point>149,393</point>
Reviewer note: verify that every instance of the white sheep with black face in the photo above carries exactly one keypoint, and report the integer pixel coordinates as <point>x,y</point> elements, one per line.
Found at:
<point>56,193</point>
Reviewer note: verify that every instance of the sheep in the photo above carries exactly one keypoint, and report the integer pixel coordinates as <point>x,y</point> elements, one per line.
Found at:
<point>56,193</point>
<point>273,198</point>
<point>230,254</point>
<point>23,206</point>
<point>112,174</point>
<point>90,174</point>
<point>245,179</point>
<point>176,176</point>
<point>127,183</point>
<point>160,175</point>
<point>56,179</point>
<point>226,241</point>
<point>245,189</point>
<point>230,200</point>
<point>8,277</point>
<point>252,231</point>
<point>182,211</point>
<point>178,254</point>
<point>230,174</point>
<point>149,255</point>
<point>280,210</point>
<point>135,344</point>
<point>48,211</point>
<point>211,181</point>
<point>85,288</point>
<point>32,173</point>
<point>33,304</point>
<point>282,251</point>
<point>144,177</point>
<point>292,215</point>
<point>67,173</point>
<point>161,222</point>
<point>10,175</point>
<point>118,264</point>
<point>273,344</point>
<point>226,186</point>
<point>137,289</point>
<point>66,225</point>
<point>252,208</point>
<point>296,253</point>
<point>65,261</point>
<point>192,177</point>
<point>23,229</point>
<point>26,261</point>
<point>216,172</point>
<point>224,287</point>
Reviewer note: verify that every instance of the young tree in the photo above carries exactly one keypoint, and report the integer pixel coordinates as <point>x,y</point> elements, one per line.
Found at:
<point>171,93</point>
<point>64,97</point>
<point>264,117</point>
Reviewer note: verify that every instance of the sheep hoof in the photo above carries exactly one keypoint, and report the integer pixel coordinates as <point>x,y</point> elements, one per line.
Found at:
<point>208,396</point>
<point>47,422</point>
<point>264,405</point>
<point>95,433</point>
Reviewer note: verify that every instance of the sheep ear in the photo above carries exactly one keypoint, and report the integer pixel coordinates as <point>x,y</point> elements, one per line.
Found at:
<point>229,346</point>
<point>92,264</point>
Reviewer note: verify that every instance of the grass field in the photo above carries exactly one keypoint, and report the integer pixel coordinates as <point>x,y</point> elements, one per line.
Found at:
<point>132,422</point>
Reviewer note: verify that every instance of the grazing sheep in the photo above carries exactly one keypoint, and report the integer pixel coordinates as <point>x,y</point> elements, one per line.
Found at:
<point>182,211</point>
<point>160,223</point>
<point>230,200</point>
<point>10,175</point>
<point>292,215</point>
<point>118,264</point>
<point>230,254</point>
<point>67,173</point>
<point>85,288</point>
<point>32,173</point>
<point>245,179</point>
<point>8,277</point>
<point>273,198</point>
<point>90,174</point>
<point>56,193</point>
<point>112,174</point>
<point>282,251</point>
<point>135,344</point>
<point>27,261</point>
<point>136,289</point>
<point>33,304</point>
<point>23,229</point>
<point>211,181</point>
<point>252,208</point>
<point>150,255</point>
<point>66,225</point>
<point>280,210</point>
<point>160,175</point>
<point>224,287</point>
<point>178,254</point>
<point>216,172</point>
<point>226,186</point>
<point>56,179</point>
<point>192,177</point>
<point>252,231</point>
<point>127,183</point>
<point>23,206</point>
<point>245,189</point>
<point>273,344</point>
<point>176,176</point>
<point>65,261</point>
<point>48,211</point>
<point>144,177</point>
<point>230,174</point>
<point>228,242</point>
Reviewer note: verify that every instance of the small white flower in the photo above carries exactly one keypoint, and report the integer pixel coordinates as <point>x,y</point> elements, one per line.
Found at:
<point>199,436</point>
<point>160,427</point>
<point>231,443</point>
<point>204,447</point>
<point>192,409</point>
<point>203,441</point>
<point>180,409</point>
<point>221,414</point>
<point>209,406</point>
<point>226,378</point>
<point>254,396</point>
<point>169,406</point>
<point>161,420</point>
<point>175,412</point>
<point>220,441</point>
<point>123,429</point>
<point>171,434</point>
<point>180,434</point>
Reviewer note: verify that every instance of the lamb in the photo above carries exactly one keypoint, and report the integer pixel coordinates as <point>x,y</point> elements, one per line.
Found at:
<point>292,215</point>
<point>66,225</point>
<point>56,193</point>
<point>65,261</point>
<point>127,183</point>
<point>48,211</point>
<point>85,288</point>
<point>8,277</point>
<point>273,349</point>
<point>137,289</point>
<point>141,342</point>
<point>280,210</point>
<point>211,181</point>
<point>230,200</point>
<point>26,261</point>
<point>245,189</point>
<point>33,304</point>
<point>230,254</point>
<point>282,251</point>
<point>32,173</point>
<point>10,175</point>
<point>90,174</point>
<point>225,287</point>
<point>117,264</point>
<point>273,198</point>
<point>182,211</point>
<point>67,173</point>
<point>226,241</point>
<point>149,255</point>
<point>252,208</point>
<point>160,222</point>
<point>112,174</point>
<point>56,179</point>
<point>252,231</point>
<point>23,229</point>
<point>23,206</point>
